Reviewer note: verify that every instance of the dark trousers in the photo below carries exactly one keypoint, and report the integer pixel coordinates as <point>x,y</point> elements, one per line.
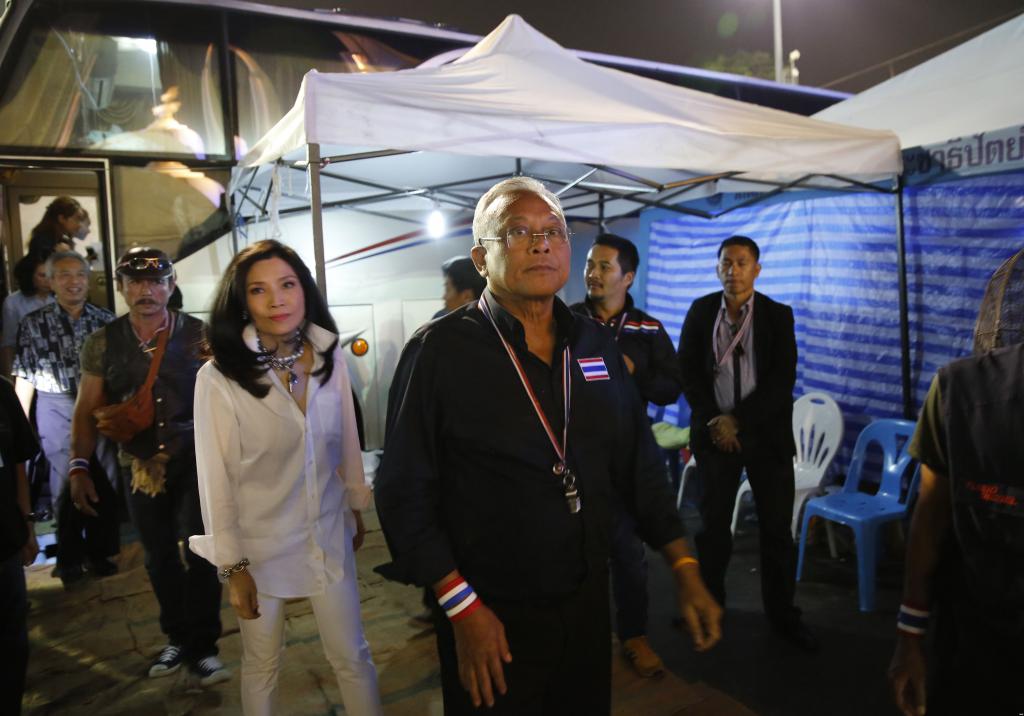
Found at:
<point>629,576</point>
<point>82,538</point>
<point>771,481</point>
<point>13,633</point>
<point>976,663</point>
<point>189,593</point>
<point>561,657</point>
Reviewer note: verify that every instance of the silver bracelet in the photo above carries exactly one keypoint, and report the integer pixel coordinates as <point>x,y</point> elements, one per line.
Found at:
<point>239,566</point>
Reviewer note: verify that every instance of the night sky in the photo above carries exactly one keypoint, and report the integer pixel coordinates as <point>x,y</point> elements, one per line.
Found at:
<point>835,37</point>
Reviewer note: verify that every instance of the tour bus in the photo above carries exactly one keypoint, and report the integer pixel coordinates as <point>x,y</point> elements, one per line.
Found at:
<point>140,109</point>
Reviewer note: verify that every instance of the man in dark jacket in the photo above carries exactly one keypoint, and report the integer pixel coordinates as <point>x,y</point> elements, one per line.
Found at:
<point>651,359</point>
<point>737,353</point>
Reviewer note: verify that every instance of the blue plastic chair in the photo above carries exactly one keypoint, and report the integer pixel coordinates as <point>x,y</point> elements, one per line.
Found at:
<point>862,512</point>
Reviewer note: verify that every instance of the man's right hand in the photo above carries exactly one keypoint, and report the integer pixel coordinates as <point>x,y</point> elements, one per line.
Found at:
<point>83,493</point>
<point>725,433</point>
<point>243,596</point>
<point>481,647</point>
<point>907,676</point>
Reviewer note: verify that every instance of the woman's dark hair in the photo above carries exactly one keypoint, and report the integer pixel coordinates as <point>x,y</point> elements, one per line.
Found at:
<point>25,272</point>
<point>47,232</point>
<point>228,317</point>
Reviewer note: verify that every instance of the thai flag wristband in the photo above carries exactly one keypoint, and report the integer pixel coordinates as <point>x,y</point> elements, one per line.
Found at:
<point>457,599</point>
<point>912,620</point>
<point>78,464</point>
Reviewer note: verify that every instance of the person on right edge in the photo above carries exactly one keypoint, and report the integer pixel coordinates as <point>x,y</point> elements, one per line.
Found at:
<point>963,593</point>
<point>651,360</point>
<point>737,354</point>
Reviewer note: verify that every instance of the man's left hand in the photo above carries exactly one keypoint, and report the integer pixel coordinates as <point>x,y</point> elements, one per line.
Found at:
<point>701,613</point>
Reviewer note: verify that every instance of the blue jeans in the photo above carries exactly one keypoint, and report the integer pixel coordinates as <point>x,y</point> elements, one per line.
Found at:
<point>629,576</point>
<point>13,633</point>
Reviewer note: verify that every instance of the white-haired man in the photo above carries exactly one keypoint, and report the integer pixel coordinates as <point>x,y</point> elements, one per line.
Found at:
<point>515,425</point>
<point>49,343</point>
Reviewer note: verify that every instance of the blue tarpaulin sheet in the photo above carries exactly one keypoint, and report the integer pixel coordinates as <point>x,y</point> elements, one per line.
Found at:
<point>834,260</point>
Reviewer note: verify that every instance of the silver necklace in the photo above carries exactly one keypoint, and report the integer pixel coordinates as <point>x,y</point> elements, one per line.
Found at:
<point>287,362</point>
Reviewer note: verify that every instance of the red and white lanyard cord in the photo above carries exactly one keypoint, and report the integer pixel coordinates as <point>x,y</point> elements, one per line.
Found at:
<point>747,320</point>
<point>560,449</point>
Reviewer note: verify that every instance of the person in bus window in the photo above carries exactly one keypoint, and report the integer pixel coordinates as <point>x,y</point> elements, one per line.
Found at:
<point>63,219</point>
<point>281,473</point>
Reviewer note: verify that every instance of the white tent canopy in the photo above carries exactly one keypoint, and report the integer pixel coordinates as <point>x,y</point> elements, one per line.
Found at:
<point>519,94</point>
<point>972,88</point>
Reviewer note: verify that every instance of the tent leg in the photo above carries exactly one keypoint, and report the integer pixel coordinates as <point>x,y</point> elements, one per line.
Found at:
<point>313,157</point>
<point>901,249</point>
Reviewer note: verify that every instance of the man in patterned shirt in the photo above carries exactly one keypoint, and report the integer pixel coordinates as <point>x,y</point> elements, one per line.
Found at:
<point>46,363</point>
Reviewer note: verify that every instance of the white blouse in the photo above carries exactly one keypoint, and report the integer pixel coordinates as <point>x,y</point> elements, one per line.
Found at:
<point>278,487</point>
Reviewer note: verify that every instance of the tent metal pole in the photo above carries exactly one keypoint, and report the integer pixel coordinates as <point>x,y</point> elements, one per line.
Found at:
<point>901,249</point>
<point>313,157</point>
<point>601,226</point>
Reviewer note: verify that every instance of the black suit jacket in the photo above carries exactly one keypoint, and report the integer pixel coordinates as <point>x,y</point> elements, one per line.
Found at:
<point>766,415</point>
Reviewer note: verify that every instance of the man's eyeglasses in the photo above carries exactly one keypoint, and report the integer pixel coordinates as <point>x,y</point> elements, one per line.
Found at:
<point>145,263</point>
<point>520,236</point>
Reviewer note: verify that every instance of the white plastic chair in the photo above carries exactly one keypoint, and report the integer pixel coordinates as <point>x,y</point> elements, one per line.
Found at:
<point>690,469</point>
<point>817,430</point>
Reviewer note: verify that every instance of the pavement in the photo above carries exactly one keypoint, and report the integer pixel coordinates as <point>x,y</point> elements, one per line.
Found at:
<point>91,648</point>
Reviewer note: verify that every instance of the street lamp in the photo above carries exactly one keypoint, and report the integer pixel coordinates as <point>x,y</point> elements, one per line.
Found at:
<point>777,23</point>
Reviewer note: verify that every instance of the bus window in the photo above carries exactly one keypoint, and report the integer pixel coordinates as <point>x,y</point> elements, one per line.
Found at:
<point>169,206</point>
<point>146,81</point>
<point>270,59</point>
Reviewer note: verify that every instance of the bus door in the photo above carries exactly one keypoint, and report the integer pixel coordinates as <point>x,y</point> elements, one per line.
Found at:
<point>27,188</point>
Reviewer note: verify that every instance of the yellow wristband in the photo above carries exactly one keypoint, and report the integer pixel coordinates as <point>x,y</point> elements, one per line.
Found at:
<point>683,561</point>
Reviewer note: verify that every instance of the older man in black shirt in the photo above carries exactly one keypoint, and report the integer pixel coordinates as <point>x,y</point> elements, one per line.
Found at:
<point>514,424</point>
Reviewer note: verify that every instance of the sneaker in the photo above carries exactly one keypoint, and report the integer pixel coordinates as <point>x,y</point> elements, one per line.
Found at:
<point>210,671</point>
<point>167,662</point>
<point>642,657</point>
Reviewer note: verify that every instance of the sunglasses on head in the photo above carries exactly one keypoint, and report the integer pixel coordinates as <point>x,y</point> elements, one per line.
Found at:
<point>145,263</point>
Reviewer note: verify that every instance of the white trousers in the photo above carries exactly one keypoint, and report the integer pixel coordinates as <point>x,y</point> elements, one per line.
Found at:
<point>341,633</point>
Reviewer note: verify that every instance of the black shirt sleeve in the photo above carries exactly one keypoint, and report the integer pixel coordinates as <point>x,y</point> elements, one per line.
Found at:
<point>18,440</point>
<point>657,373</point>
<point>407,489</point>
<point>641,478</point>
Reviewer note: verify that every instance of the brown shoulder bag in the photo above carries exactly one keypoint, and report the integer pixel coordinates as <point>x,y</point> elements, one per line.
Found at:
<point>123,421</point>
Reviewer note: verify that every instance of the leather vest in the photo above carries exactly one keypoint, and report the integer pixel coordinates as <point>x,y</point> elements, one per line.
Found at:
<point>124,370</point>
<point>983,410</point>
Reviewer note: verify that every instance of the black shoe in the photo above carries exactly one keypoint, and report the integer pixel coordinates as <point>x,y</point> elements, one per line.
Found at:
<point>797,634</point>
<point>72,576</point>
<point>103,568</point>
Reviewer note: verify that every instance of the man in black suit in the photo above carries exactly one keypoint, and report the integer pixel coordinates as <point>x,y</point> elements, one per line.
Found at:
<point>737,353</point>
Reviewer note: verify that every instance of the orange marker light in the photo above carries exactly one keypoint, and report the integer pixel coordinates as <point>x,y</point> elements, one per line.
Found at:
<point>360,347</point>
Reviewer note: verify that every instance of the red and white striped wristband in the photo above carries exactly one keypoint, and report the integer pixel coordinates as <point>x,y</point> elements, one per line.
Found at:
<point>457,599</point>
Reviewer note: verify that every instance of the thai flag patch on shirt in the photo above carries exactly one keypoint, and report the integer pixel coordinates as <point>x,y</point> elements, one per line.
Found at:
<point>593,368</point>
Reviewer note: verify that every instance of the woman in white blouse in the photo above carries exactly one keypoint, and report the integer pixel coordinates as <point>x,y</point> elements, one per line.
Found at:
<point>280,471</point>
